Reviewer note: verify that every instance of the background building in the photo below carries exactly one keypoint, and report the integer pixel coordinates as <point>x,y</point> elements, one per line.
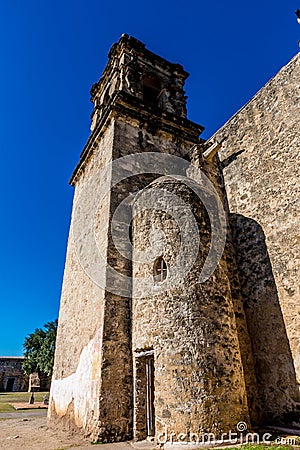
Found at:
<point>12,377</point>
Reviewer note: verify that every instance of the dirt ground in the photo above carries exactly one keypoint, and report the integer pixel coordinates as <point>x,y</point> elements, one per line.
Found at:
<point>32,433</point>
<point>24,431</point>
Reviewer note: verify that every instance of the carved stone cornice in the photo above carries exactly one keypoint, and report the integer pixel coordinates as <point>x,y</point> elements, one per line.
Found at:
<point>125,106</point>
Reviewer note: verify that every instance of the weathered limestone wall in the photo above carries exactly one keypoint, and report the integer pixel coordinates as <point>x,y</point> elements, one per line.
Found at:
<point>138,100</point>
<point>75,389</point>
<point>253,399</point>
<point>198,375</point>
<point>117,390</point>
<point>214,173</point>
<point>260,157</point>
<point>92,380</point>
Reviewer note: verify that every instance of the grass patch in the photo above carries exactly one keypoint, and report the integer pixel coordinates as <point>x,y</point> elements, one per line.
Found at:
<point>5,407</point>
<point>18,397</point>
<point>10,397</point>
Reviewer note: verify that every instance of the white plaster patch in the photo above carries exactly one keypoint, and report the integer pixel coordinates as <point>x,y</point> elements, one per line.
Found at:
<point>82,386</point>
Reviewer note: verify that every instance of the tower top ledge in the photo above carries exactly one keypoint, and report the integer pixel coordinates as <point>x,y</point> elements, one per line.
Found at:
<point>144,76</point>
<point>139,85</point>
<point>134,45</point>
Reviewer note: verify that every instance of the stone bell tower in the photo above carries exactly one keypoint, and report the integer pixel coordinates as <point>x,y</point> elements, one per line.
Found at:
<point>139,106</point>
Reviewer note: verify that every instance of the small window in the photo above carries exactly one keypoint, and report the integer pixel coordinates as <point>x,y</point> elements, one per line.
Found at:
<point>160,269</point>
<point>151,88</point>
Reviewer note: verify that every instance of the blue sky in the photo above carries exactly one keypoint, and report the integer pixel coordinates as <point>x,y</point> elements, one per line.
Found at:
<point>51,54</point>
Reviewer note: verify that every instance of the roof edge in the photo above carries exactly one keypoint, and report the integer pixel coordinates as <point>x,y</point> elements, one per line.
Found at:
<point>254,96</point>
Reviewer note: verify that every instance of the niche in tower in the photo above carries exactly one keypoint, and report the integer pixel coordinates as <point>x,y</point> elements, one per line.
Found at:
<point>151,88</point>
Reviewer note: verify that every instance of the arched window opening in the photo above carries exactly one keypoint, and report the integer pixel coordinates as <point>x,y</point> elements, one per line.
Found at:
<point>151,88</point>
<point>160,269</point>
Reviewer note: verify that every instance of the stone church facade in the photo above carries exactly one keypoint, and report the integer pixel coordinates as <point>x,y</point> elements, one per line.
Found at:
<point>146,343</point>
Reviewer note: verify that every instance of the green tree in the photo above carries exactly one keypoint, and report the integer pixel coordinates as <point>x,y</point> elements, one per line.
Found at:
<point>39,349</point>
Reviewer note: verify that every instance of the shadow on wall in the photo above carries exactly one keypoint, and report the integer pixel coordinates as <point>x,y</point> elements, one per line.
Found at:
<point>278,391</point>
